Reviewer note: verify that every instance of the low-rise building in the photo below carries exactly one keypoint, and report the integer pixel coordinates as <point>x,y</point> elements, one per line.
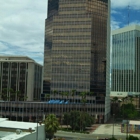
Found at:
<point>130,126</point>
<point>23,74</point>
<point>13,130</point>
<point>30,111</point>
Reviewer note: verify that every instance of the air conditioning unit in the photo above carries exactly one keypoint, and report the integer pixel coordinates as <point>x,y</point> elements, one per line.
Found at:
<point>18,131</point>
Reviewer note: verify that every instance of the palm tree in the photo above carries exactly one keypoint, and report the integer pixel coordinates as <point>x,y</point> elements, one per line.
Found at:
<point>114,102</point>
<point>131,99</point>
<point>55,92</point>
<point>47,97</point>
<point>126,99</point>
<point>3,96</point>
<point>136,96</point>
<point>62,95</point>
<point>25,98</point>
<point>6,94</point>
<point>66,94</point>
<point>11,93</point>
<point>83,101</point>
<point>17,95</point>
<point>123,100</point>
<point>91,93</point>
<point>73,94</point>
<point>115,99</point>
<point>51,125</point>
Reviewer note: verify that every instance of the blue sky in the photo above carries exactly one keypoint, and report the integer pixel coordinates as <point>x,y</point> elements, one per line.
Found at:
<point>22,24</point>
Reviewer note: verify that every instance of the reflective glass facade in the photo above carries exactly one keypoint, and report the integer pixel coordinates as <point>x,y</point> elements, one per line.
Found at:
<point>125,59</point>
<point>76,40</point>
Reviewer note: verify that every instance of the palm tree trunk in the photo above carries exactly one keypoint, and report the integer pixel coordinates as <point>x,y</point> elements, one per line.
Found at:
<point>139,101</point>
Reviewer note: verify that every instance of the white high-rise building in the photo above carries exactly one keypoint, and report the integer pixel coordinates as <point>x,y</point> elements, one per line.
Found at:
<point>125,61</point>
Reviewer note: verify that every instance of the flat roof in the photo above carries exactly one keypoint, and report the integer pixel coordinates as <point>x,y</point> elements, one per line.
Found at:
<point>134,122</point>
<point>6,135</point>
<point>3,119</point>
<point>126,29</point>
<point>17,125</point>
<point>12,135</point>
<point>24,59</point>
<point>131,122</point>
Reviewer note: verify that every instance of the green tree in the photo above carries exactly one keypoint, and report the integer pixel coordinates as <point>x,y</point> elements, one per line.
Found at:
<point>62,94</point>
<point>66,119</point>
<point>136,98</point>
<point>18,95</point>
<point>83,98</point>
<point>51,125</point>
<point>91,93</point>
<point>3,94</point>
<point>25,98</point>
<point>66,94</point>
<point>74,118</point>
<point>61,117</point>
<point>54,93</point>
<point>83,101</point>
<point>47,97</point>
<point>131,137</point>
<point>126,99</point>
<point>73,92</point>
<point>128,110</point>
<point>115,99</point>
<point>122,108</point>
<point>131,99</point>
<point>7,94</point>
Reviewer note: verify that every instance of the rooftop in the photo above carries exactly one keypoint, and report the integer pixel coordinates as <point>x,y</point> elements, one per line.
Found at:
<point>126,29</point>
<point>16,58</point>
<point>11,135</point>
<point>16,125</point>
<point>8,129</point>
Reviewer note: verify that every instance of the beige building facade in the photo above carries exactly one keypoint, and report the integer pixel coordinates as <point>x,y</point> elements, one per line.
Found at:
<point>23,74</point>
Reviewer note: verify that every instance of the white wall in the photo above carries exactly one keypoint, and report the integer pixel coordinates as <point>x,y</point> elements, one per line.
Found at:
<point>118,94</point>
<point>30,84</point>
<point>32,136</point>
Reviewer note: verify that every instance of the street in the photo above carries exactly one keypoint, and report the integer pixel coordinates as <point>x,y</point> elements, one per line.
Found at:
<point>78,136</point>
<point>102,132</point>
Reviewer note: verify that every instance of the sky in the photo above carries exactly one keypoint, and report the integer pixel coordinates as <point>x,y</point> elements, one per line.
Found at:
<point>22,24</point>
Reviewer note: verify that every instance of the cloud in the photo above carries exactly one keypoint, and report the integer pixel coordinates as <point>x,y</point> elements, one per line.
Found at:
<point>115,24</point>
<point>22,27</point>
<point>136,22</point>
<point>115,11</point>
<point>134,4</point>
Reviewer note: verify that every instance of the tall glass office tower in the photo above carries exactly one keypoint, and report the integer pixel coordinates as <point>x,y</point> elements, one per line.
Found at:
<point>77,47</point>
<point>125,61</point>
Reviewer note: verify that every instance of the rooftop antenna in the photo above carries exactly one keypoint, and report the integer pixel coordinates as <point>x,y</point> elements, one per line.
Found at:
<point>128,14</point>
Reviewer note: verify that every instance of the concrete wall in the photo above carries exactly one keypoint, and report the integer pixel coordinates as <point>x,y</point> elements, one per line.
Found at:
<point>32,136</point>
<point>30,84</point>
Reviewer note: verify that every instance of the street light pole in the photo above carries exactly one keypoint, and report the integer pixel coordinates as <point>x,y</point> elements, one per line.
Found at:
<point>37,124</point>
<point>127,130</point>
<point>113,127</point>
<point>37,129</point>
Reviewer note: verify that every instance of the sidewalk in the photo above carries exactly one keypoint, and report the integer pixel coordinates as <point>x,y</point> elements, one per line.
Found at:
<point>107,129</point>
